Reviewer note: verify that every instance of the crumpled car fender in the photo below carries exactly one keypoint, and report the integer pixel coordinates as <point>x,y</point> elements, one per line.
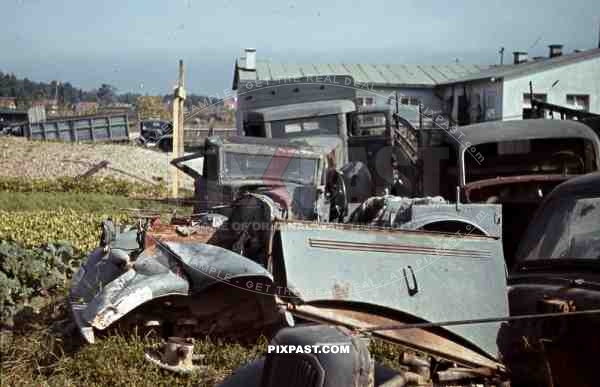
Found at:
<point>206,265</point>
<point>170,268</point>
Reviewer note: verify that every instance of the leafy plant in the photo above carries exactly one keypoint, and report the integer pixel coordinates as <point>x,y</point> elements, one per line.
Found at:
<point>28,275</point>
<point>38,228</point>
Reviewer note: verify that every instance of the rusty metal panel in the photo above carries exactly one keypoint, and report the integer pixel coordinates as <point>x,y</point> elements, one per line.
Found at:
<point>417,339</point>
<point>431,276</point>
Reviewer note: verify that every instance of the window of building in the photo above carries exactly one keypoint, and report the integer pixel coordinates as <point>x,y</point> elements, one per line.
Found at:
<point>415,101</point>
<point>579,102</point>
<point>365,101</point>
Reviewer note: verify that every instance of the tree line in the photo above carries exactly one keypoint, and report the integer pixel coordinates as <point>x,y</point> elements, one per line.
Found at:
<point>27,91</point>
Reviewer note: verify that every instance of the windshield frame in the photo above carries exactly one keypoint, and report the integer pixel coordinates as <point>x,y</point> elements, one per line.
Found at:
<point>229,179</point>
<point>471,151</point>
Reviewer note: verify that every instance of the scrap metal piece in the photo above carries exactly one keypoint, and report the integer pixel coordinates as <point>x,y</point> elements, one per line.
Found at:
<point>177,356</point>
<point>554,305</point>
<point>458,374</point>
<point>417,339</point>
<point>95,169</point>
<point>405,379</point>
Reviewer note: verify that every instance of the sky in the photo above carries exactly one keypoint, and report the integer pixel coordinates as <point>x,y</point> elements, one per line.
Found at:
<point>135,45</point>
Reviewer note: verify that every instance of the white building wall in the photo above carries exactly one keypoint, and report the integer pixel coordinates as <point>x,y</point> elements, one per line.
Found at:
<point>578,78</point>
<point>425,95</point>
<point>383,93</point>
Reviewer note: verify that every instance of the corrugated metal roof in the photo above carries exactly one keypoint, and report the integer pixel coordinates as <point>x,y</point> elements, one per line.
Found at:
<point>534,66</point>
<point>376,74</point>
<point>407,75</point>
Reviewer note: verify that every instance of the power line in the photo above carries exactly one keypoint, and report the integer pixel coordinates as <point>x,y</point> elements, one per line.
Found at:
<point>480,321</point>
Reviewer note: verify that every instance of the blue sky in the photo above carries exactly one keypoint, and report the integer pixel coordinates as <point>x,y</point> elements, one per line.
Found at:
<point>136,43</point>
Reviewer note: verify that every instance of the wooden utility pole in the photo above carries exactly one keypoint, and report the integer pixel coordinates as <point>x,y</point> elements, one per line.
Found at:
<point>178,98</point>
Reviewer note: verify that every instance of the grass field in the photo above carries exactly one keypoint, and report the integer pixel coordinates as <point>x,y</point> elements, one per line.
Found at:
<point>38,350</point>
<point>41,348</point>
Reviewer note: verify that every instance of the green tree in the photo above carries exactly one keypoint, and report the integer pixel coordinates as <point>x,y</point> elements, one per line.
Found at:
<point>106,94</point>
<point>151,107</point>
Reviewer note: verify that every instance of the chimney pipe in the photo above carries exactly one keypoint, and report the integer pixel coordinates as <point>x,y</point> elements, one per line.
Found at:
<point>520,57</point>
<point>555,50</point>
<point>250,59</point>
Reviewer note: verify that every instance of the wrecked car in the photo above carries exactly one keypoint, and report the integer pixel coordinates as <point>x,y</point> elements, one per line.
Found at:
<point>557,269</point>
<point>516,164</point>
<point>259,272</point>
<point>254,264</point>
<point>153,277</point>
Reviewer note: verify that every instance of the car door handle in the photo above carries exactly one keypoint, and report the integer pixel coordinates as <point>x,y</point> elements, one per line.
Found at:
<point>415,288</point>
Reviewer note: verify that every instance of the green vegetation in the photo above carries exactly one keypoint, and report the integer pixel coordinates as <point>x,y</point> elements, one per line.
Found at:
<point>43,348</point>
<point>152,107</point>
<point>97,185</point>
<point>36,228</point>
<point>27,276</point>
<point>35,201</point>
<point>36,217</point>
<point>35,260</point>
<point>37,354</point>
<point>38,211</point>
<point>26,92</point>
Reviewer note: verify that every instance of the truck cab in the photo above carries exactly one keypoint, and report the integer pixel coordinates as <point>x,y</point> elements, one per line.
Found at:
<point>309,120</point>
<point>295,174</point>
<point>310,111</point>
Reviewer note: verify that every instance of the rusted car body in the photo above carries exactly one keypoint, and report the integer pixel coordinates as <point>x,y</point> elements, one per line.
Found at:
<point>156,278</point>
<point>208,282</point>
<point>517,163</point>
<point>557,269</point>
<point>261,262</point>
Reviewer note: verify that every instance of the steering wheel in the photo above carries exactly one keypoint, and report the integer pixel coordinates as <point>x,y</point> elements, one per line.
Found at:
<point>567,156</point>
<point>335,191</point>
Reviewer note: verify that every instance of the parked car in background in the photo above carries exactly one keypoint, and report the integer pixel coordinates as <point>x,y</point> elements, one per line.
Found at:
<point>557,269</point>
<point>156,133</point>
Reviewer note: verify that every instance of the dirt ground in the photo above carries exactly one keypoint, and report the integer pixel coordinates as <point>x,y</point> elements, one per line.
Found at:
<point>20,157</point>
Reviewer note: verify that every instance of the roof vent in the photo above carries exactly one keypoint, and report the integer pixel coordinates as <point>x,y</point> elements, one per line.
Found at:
<point>250,59</point>
<point>555,50</point>
<point>520,57</point>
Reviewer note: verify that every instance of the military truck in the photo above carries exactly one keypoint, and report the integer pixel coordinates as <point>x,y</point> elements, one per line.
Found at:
<point>303,107</point>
